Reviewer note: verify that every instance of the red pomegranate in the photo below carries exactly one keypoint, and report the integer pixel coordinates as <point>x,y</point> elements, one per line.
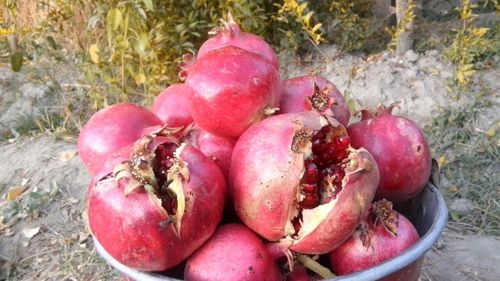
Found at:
<point>296,179</point>
<point>234,252</point>
<point>231,90</point>
<point>110,130</point>
<point>157,208</point>
<point>314,92</point>
<point>230,34</point>
<point>171,106</point>
<point>400,149</point>
<point>382,234</point>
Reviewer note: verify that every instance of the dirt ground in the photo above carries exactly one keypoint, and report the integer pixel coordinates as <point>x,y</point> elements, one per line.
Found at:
<point>43,235</point>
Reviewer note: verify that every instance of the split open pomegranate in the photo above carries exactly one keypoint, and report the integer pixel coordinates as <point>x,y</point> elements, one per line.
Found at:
<point>296,179</point>
<point>155,209</point>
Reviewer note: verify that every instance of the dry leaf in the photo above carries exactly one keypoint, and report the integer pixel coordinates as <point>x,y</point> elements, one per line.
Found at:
<point>9,232</point>
<point>441,161</point>
<point>67,155</point>
<point>15,192</point>
<point>24,181</point>
<point>30,232</point>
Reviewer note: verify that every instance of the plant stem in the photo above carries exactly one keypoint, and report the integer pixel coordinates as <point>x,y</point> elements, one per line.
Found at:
<point>315,266</point>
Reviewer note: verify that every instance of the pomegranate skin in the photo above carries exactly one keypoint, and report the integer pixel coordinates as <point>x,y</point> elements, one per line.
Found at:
<point>234,252</point>
<point>297,90</point>
<point>134,229</point>
<point>110,130</point>
<point>265,175</point>
<point>171,106</point>
<point>371,245</point>
<point>217,148</point>
<point>231,35</point>
<point>401,151</point>
<point>232,89</point>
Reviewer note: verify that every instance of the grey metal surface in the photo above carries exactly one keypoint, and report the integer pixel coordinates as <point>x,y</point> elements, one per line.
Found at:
<point>428,213</point>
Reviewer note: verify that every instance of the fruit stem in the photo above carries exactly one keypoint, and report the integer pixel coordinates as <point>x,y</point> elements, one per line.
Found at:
<point>315,266</point>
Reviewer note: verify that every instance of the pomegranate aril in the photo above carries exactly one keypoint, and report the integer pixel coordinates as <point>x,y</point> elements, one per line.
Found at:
<point>319,135</point>
<point>309,188</point>
<point>317,146</point>
<point>340,156</point>
<point>311,200</point>
<point>344,142</point>
<point>311,173</point>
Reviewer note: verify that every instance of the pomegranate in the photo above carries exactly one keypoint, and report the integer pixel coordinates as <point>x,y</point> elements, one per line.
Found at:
<point>382,234</point>
<point>296,179</point>
<point>110,130</point>
<point>157,208</point>
<point>171,106</point>
<point>232,89</point>
<point>216,148</point>
<point>400,150</point>
<point>234,252</point>
<point>314,92</point>
<point>230,34</point>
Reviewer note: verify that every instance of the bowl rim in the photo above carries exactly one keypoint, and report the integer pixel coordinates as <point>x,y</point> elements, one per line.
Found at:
<point>382,270</point>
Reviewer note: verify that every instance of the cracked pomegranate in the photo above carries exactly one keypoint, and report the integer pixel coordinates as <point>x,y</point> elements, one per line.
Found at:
<point>296,179</point>
<point>155,209</point>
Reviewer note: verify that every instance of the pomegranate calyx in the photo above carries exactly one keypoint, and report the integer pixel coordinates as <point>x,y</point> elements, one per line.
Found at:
<point>229,27</point>
<point>383,213</point>
<point>369,113</point>
<point>381,109</point>
<point>320,100</point>
<point>184,65</point>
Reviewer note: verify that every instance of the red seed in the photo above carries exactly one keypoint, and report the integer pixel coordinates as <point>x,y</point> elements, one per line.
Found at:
<point>311,173</point>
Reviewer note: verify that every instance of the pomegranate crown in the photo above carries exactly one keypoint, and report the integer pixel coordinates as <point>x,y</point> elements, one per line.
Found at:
<point>381,109</point>
<point>383,213</point>
<point>228,28</point>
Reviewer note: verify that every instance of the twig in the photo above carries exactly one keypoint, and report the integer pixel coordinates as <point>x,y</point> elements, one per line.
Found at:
<point>315,266</point>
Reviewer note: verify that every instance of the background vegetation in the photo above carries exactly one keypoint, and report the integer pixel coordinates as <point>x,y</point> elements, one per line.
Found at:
<point>129,49</point>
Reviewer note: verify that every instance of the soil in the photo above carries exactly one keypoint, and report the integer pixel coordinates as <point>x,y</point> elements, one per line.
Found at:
<point>51,208</point>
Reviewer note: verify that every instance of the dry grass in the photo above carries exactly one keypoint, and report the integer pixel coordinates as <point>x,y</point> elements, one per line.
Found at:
<point>31,16</point>
<point>471,164</point>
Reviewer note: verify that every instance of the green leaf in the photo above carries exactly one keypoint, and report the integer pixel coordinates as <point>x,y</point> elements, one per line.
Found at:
<point>149,4</point>
<point>454,216</point>
<point>114,18</point>
<point>52,42</point>
<point>94,53</point>
<point>16,61</point>
<point>142,44</point>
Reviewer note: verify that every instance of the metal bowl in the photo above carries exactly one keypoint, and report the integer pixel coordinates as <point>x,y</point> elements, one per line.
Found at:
<point>427,212</point>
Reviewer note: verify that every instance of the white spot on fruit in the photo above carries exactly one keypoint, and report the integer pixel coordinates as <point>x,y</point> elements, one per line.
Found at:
<point>256,80</point>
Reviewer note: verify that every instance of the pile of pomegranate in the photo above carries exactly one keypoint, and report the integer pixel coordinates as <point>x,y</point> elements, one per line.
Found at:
<point>235,174</point>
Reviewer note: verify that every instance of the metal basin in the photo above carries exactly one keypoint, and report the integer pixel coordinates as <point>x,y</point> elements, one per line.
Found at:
<point>427,212</point>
